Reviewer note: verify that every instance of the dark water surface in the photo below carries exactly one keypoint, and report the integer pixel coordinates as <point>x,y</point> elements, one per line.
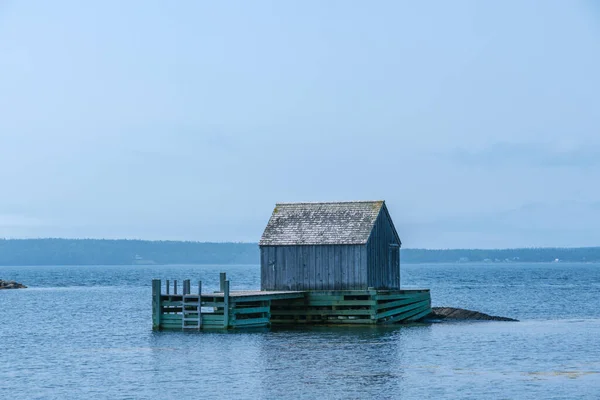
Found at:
<point>85,332</point>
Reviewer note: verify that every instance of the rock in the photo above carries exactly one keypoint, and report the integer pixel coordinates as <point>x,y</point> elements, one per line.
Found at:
<point>11,285</point>
<point>460,314</point>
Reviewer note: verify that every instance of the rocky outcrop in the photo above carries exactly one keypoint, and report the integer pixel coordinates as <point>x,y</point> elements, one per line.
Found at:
<point>11,285</point>
<point>460,314</point>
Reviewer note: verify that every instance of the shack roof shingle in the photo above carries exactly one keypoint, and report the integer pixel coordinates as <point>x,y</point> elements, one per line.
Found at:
<point>321,223</point>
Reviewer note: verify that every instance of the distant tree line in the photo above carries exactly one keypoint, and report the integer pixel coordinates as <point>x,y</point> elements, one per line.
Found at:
<point>546,254</point>
<point>123,252</point>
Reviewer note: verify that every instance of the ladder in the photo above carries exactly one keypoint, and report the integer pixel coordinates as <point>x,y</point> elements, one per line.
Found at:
<point>191,311</point>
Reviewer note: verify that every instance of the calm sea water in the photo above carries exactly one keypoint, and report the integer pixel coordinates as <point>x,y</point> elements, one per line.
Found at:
<point>85,332</point>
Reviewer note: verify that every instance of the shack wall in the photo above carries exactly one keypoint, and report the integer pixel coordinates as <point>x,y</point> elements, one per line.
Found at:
<point>383,254</point>
<point>313,267</point>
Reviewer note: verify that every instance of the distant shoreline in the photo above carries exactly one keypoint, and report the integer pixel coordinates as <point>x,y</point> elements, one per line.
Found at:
<point>440,263</point>
<point>36,252</point>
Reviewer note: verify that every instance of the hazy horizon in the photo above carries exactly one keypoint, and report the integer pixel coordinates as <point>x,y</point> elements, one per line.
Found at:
<point>256,243</point>
<point>477,122</point>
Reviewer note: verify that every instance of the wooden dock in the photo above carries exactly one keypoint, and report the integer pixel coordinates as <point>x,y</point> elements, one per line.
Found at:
<point>227,309</point>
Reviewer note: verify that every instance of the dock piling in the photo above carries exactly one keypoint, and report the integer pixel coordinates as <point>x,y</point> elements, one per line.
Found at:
<point>222,279</point>
<point>156,312</point>
<point>226,307</point>
<point>174,286</point>
<point>168,284</point>
<point>199,304</point>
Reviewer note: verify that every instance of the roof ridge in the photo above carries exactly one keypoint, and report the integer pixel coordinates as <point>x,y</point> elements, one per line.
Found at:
<point>332,202</point>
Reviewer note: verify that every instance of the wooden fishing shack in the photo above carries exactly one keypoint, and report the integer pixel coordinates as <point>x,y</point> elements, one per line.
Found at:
<point>330,246</point>
<point>321,263</point>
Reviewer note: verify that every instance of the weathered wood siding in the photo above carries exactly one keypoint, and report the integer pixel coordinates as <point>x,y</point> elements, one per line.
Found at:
<point>383,272</point>
<point>319,267</point>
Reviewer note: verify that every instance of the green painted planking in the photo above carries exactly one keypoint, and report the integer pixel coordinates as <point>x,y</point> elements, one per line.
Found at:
<point>358,321</point>
<point>324,303</point>
<point>400,296</point>
<point>400,310</point>
<point>407,314</point>
<point>250,310</point>
<point>420,315</point>
<point>250,321</point>
<point>398,303</point>
<point>407,317</point>
<point>322,312</point>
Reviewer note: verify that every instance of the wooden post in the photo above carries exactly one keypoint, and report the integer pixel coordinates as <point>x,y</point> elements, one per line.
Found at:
<point>174,286</point>
<point>156,286</point>
<point>199,304</point>
<point>226,301</point>
<point>222,279</point>
<point>168,284</point>
<point>186,286</point>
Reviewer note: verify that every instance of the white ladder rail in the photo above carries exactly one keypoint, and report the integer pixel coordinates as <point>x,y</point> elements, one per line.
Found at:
<point>191,304</point>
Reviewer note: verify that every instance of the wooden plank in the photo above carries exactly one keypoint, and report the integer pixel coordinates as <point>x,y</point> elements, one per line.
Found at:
<point>200,305</point>
<point>400,296</point>
<point>311,297</point>
<point>401,302</point>
<point>222,279</point>
<point>204,303</point>
<point>171,317</point>
<point>305,267</point>
<point>156,307</point>
<point>263,268</point>
<point>250,310</point>
<point>400,310</point>
<point>171,326</point>
<point>420,315</point>
<point>328,322</point>
<point>338,293</point>
<point>405,316</point>
<point>321,303</point>
<point>263,297</point>
<point>331,313</point>
<point>315,269</point>
<point>250,321</point>
<point>216,304</point>
<point>337,267</point>
<point>291,266</point>
<point>226,307</point>
<point>217,318</point>
<point>279,267</point>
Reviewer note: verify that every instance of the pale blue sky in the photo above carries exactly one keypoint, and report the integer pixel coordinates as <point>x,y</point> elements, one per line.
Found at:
<point>478,122</point>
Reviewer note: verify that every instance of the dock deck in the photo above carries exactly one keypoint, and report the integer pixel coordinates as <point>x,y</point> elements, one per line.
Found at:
<point>249,294</point>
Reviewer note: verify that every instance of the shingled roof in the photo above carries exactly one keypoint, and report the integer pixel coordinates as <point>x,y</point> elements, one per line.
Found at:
<point>321,223</point>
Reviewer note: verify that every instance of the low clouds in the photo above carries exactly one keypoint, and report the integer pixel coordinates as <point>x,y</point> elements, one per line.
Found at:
<point>539,224</point>
<point>503,154</point>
